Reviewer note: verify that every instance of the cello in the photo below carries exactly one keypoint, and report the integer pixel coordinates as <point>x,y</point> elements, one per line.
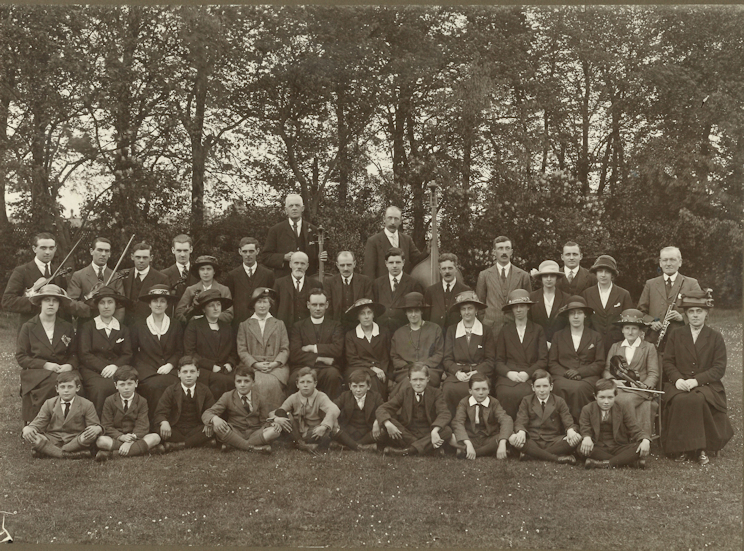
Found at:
<point>426,272</point>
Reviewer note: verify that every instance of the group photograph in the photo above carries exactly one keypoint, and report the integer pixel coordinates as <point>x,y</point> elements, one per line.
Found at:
<point>372,276</point>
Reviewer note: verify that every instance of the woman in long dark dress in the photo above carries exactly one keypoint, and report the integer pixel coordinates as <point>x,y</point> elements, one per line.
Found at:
<point>696,422</point>
<point>368,345</point>
<point>45,347</point>
<point>607,300</point>
<point>548,300</point>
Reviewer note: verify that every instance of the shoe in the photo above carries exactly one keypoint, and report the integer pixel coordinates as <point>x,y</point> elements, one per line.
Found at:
<point>367,447</point>
<point>102,456</point>
<point>36,454</point>
<point>595,464</point>
<point>399,452</point>
<point>682,457</point>
<point>212,443</point>
<point>266,450</point>
<point>702,458</point>
<point>640,464</point>
<point>567,460</point>
<point>157,450</point>
<point>336,446</point>
<point>226,449</point>
<point>174,446</point>
<point>76,455</point>
<point>461,454</point>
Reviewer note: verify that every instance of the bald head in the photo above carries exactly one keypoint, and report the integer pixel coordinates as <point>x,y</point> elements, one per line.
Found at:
<point>294,206</point>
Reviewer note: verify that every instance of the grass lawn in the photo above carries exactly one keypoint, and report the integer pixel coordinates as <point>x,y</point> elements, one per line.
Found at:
<point>202,497</point>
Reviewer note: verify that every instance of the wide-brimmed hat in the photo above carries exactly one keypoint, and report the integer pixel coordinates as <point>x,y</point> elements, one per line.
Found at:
<point>575,302</point>
<point>631,316</point>
<point>516,297</point>
<point>204,260</point>
<point>466,297</point>
<point>161,290</point>
<point>205,297</point>
<point>259,293</point>
<point>412,300</point>
<point>352,313</point>
<point>604,261</point>
<point>697,299</point>
<point>49,290</point>
<point>548,267</point>
<point>107,292</point>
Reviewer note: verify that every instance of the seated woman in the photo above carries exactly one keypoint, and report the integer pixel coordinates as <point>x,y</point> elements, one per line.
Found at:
<point>45,347</point>
<point>205,268</point>
<point>104,346</point>
<point>576,358</point>
<point>695,413</point>
<point>263,344</point>
<point>157,343</point>
<point>607,300</point>
<point>467,350</point>
<point>418,341</point>
<point>521,349</point>
<point>210,341</point>
<point>641,358</point>
<point>548,300</point>
<point>368,345</point>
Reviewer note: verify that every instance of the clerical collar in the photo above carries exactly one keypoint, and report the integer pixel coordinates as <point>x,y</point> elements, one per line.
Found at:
<point>317,321</point>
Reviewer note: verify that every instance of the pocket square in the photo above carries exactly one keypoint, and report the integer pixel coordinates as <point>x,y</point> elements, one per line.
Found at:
<point>617,305</point>
<point>120,340</point>
<point>480,346</point>
<point>590,346</point>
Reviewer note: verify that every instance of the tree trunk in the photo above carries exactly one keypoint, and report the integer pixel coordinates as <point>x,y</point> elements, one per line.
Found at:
<point>343,147</point>
<point>583,161</point>
<point>42,204</point>
<point>199,149</point>
<point>4,106</point>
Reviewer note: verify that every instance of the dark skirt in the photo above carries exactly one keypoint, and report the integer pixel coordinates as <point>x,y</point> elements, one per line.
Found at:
<point>510,394</point>
<point>577,394</point>
<point>690,423</point>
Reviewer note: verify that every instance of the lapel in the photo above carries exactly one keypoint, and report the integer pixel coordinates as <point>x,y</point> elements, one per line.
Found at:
<point>617,417</point>
<point>270,327</point>
<point>120,403</point>
<point>74,408</point>
<point>595,416</point>
<point>364,343</point>
<point>529,336</point>
<point>613,299</point>
<point>585,338</point>
<point>686,337</point>
<point>254,328</point>
<point>703,341</point>
<point>549,406</point>
<point>639,353</point>
<point>40,334</point>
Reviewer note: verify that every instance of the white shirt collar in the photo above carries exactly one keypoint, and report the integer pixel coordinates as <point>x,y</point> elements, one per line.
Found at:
<point>42,266</point>
<point>70,401</point>
<point>249,396</point>
<point>575,271</point>
<point>97,268</point>
<point>205,288</point>
<point>604,293</point>
<point>472,401</point>
<point>192,389</point>
<point>317,321</point>
<point>255,317</point>
<point>636,344</point>
<point>672,277</point>
<point>294,280</point>
<point>451,284</point>
<point>292,223</point>
<point>249,270</point>
<point>399,277</point>
<point>349,278</point>
<point>501,268</point>
<point>361,400</point>
<point>143,273</point>
<point>114,324</point>
<point>476,330</point>
<point>391,236</point>
<point>360,331</point>
<point>183,267</point>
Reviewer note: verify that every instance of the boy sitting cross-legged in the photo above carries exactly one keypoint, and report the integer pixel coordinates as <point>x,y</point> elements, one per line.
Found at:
<point>66,425</point>
<point>481,426</point>
<point>245,427</point>
<point>358,428</point>
<point>125,420</point>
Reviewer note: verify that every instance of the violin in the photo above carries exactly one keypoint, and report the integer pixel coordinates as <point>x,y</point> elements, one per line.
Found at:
<point>31,291</point>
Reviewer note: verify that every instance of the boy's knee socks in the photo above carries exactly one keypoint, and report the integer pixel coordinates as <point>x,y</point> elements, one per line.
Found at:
<point>47,448</point>
<point>232,438</point>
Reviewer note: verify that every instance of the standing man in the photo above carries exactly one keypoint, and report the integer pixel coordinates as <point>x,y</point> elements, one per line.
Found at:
<point>660,292</point>
<point>346,287</point>
<point>441,295</point>
<point>390,289</point>
<point>181,249</point>
<point>83,281</point>
<point>577,279</point>
<point>246,278</point>
<point>388,238</point>
<point>495,284</point>
<point>139,282</point>
<point>293,291</point>
<point>291,235</point>
<point>26,275</point>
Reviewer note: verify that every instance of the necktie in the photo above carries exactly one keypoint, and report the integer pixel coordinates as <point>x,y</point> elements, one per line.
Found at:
<point>250,272</point>
<point>346,281</point>
<point>395,283</point>
<point>126,405</point>
<point>542,406</point>
<point>570,276</point>
<point>360,404</point>
<point>419,395</point>
<point>503,275</point>
<point>188,393</point>
<point>448,288</point>
<point>294,226</point>
<point>100,274</point>
<point>297,284</point>
<point>66,405</point>
<point>478,414</point>
<point>47,273</point>
<point>668,285</point>
<point>182,271</point>
<point>604,416</point>
<point>245,403</point>
<point>139,277</point>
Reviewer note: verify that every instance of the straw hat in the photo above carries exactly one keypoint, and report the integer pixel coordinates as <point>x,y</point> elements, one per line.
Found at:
<point>352,313</point>
<point>548,267</point>
<point>160,290</point>
<point>49,290</point>
<point>631,316</point>
<point>517,296</point>
<point>466,297</point>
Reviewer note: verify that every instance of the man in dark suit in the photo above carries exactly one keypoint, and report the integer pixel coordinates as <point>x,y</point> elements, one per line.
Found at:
<point>389,289</point>
<point>246,278</point>
<point>181,270</point>
<point>346,287</point>
<point>317,342</point>
<point>83,281</point>
<point>441,295</point>
<point>379,244</point>
<point>289,236</point>
<point>139,282</point>
<point>293,291</point>
<point>577,277</point>
<point>26,275</point>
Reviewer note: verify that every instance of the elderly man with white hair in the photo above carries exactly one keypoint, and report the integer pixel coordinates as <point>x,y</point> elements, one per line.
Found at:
<point>293,291</point>
<point>292,235</point>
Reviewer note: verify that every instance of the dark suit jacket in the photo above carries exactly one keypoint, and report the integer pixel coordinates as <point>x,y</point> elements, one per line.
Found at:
<point>51,419</point>
<point>174,277</point>
<point>33,350</point>
<point>362,353</point>
<point>330,344</point>
<point>512,355</point>
<point>98,350</point>
<point>496,420</point>
<point>461,356</point>
<point>392,318</point>
<point>139,310</point>
<point>588,360</point>
<point>491,292</point>
<point>231,408</point>
<point>281,239</point>
<point>210,348</point>
<point>116,422</point>
<point>539,314</point>
<point>285,311</point>
<point>581,281</point>
<point>171,403</point>
<point>242,289</point>
<point>150,353</point>
<point>378,245</point>
<point>602,319</point>
<point>361,287</point>
<point>625,428</point>
<point>439,312</point>
<point>704,361</point>
<point>401,406</point>
<point>81,284</point>
<point>654,301</point>
<point>346,404</point>
<point>22,278</point>
<point>549,426</point>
